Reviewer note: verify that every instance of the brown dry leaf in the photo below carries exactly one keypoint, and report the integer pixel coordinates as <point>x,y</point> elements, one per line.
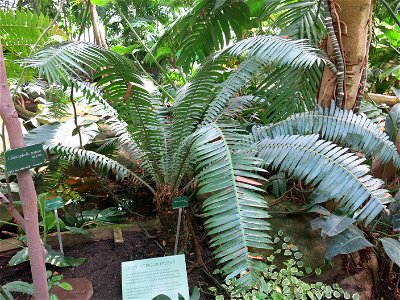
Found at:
<point>247,180</point>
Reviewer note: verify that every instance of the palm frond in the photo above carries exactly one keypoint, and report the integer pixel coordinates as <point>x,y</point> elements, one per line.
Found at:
<point>236,105</point>
<point>192,100</point>
<point>299,19</point>
<point>236,213</point>
<point>98,106</point>
<point>204,29</point>
<point>64,62</point>
<point>289,91</point>
<point>339,126</point>
<point>118,81</point>
<point>93,159</point>
<point>265,51</point>
<point>20,29</point>
<point>320,163</point>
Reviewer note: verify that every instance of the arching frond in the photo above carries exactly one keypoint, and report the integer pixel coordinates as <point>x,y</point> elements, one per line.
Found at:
<point>204,29</point>
<point>193,98</point>
<point>97,161</point>
<point>236,215</point>
<point>119,82</point>
<point>299,19</point>
<point>276,52</point>
<point>98,106</point>
<point>337,125</point>
<point>321,164</point>
<point>20,29</point>
<point>288,91</point>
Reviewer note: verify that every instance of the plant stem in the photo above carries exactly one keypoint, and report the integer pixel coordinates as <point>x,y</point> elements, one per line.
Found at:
<point>83,22</point>
<point>152,79</point>
<point>144,46</point>
<point>71,98</point>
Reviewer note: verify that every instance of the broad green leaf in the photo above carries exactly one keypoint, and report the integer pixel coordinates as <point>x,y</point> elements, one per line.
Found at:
<point>101,2</point>
<point>392,249</point>
<point>350,240</point>
<point>195,293</point>
<point>53,257</point>
<point>20,287</point>
<point>336,224</point>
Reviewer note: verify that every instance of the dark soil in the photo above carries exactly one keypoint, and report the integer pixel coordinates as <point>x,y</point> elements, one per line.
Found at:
<point>103,265</point>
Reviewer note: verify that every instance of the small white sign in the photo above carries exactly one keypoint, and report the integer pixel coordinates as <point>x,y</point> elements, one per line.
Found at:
<point>147,278</point>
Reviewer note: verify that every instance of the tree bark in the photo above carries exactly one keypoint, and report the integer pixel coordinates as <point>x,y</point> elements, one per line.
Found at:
<point>26,189</point>
<point>97,32</point>
<point>351,19</point>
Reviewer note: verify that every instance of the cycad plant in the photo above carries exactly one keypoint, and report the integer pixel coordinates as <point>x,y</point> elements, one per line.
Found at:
<point>189,142</point>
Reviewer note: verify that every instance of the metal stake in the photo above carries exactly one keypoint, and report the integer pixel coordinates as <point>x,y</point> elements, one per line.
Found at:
<point>59,232</point>
<point>178,227</point>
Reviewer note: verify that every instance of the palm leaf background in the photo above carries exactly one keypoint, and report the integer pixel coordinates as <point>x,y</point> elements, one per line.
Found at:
<point>340,126</point>
<point>321,163</point>
<point>204,29</point>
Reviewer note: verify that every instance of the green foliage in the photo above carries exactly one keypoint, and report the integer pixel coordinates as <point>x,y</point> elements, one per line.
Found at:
<point>55,280</point>
<point>319,163</point>
<point>299,19</point>
<point>392,249</point>
<point>339,126</point>
<point>17,287</point>
<point>235,213</point>
<point>52,257</point>
<point>175,144</point>
<point>19,32</point>
<point>204,29</point>
<point>286,282</point>
<point>94,217</point>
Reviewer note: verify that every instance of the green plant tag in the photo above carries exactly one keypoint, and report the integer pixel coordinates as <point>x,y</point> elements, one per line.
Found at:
<point>55,203</point>
<point>24,158</point>
<point>180,202</point>
<point>148,278</point>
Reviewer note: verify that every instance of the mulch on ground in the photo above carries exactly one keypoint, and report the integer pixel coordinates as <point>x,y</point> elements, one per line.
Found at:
<point>103,265</point>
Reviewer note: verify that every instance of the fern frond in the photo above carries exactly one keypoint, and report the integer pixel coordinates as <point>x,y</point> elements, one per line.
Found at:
<point>204,29</point>
<point>339,126</point>
<point>236,213</point>
<point>320,163</point>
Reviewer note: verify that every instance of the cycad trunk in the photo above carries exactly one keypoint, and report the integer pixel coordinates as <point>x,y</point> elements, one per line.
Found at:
<point>351,23</point>
<point>169,217</point>
<point>26,189</point>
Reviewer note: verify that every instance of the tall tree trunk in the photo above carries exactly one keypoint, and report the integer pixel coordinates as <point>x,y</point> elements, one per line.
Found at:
<point>97,32</point>
<point>27,191</point>
<point>351,23</point>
